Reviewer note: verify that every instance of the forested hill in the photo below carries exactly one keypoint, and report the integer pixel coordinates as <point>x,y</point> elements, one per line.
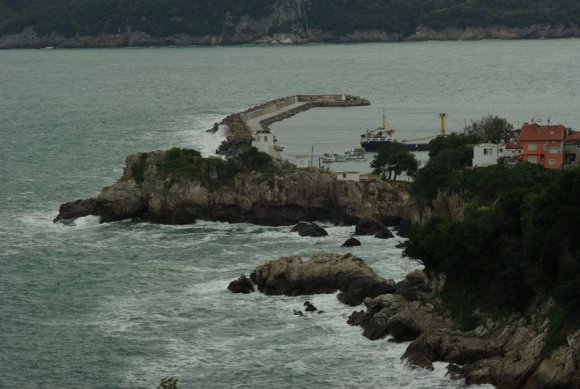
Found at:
<point>238,21</point>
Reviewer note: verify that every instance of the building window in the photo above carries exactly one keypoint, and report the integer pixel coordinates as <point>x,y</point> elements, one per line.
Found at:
<point>501,150</point>
<point>343,175</point>
<point>554,150</point>
<point>552,161</point>
<point>265,138</point>
<point>532,159</point>
<point>532,147</point>
<point>487,151</point>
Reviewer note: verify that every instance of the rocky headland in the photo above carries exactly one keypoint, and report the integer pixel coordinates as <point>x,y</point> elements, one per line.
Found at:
<point>506,352</point>
<point>176,188</point>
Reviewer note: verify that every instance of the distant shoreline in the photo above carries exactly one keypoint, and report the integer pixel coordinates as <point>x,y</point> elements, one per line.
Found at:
<point>29,39</point>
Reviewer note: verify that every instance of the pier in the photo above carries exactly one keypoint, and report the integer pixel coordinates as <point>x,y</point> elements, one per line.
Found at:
<point>251,127</point>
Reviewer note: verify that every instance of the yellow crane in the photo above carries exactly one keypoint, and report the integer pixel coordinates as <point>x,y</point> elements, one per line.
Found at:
<point>442,116</point>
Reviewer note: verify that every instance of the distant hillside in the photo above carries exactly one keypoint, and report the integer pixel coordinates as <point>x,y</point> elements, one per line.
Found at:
<point>239,21</point>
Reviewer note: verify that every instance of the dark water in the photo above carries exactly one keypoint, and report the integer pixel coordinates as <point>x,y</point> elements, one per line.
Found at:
<point>123,305</point>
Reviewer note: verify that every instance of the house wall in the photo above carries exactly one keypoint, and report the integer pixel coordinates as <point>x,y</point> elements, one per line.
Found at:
<point>348,176</point>
<point>536,152</point>
<point>572,154</point>
<point>485,154</point>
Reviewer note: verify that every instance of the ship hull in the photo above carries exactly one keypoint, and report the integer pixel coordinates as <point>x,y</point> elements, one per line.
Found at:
<point>377,145</point>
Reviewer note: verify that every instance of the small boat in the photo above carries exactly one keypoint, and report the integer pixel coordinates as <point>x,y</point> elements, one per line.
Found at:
<point>358,154</point>
<point>330,158</point>
<point>374,140</point>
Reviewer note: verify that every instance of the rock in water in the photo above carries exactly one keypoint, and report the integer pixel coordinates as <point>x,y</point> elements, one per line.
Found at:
<point>241,285</point>
<point>322,273</point>
<point>368,226</point>
<point>309,307</point>
<point>309,229</point>
<point>384,234</point>
<point>351,242</point>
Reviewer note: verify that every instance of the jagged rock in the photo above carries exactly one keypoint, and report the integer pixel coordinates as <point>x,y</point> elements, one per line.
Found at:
<point>369,226</point>
<point>322,273</point>
<point>309,307</point>
<point>241,285</point>
<point>78,208</point>
<point>556,371</point>
<point>417,277</point>
<point>351,242</point>
<point>309,229</point>
<point>415,286</point>
<point>506,352</point>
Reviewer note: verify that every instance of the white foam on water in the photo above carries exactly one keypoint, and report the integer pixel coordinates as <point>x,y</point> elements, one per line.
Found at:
<point>87,222</point>
<point>190,131</point>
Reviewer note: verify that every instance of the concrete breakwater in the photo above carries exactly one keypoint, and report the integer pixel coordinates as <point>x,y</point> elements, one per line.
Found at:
<point>242,129</point>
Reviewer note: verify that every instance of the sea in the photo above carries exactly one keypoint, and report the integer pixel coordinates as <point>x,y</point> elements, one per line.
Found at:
<point>125,305</point>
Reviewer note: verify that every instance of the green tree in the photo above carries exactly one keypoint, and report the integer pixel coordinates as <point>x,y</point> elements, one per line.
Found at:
<point>490,129</point>
<point>392,161</point>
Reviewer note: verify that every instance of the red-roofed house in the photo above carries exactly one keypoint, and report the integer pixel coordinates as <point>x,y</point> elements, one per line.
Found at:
<point>543,145</point>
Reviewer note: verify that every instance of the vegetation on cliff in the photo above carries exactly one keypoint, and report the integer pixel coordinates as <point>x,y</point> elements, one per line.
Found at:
<point>518,238</point>
<point>403,16</point>
<point>214,170</point>
<point>393,160</point>
<point>215,17</point>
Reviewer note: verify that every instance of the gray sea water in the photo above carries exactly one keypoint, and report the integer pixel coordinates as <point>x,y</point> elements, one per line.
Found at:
<point>124,305</point>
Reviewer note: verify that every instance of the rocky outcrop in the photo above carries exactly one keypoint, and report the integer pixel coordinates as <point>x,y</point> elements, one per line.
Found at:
<point>79,208</point>
<point>241,285</point>
<point>322,273</point>
<point>370,226</point>
<point>309,229</point>
<point>351,242</point>
<point>504,352</point>
<point>146,194</point>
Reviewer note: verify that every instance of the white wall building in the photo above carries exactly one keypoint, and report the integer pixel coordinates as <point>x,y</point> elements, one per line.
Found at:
<point>348,176</point>
<point>487,154</point>
<point>304,161</point>
<point>266,143</point>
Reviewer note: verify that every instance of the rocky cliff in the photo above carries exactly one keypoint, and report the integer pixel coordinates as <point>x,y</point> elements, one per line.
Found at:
<point>508,352</point>
<point>147,192</point>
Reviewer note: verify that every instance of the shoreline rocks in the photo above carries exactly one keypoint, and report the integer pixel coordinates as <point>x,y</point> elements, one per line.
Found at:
<point>351,242</point>
<point>322,273</point>
<point>369,226</point>
<point>506,352</point>
<point>28,38</point>
<point>309,229</point>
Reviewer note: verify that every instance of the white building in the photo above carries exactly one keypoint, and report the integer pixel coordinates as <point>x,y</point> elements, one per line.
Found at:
<point>304,161</point>
<point>487,154</point>
<point>266,143</point>
<point>348,176</point>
